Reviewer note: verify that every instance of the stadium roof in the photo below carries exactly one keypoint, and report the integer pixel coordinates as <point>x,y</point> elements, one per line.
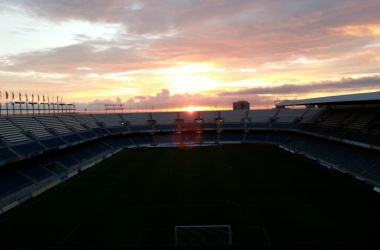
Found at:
<point>364,98</point>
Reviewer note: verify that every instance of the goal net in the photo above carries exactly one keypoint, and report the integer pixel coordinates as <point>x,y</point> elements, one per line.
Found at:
<point>203,235</point>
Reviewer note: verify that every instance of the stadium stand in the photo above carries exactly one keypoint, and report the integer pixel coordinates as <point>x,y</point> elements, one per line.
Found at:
<point>79,153</point>
<point>136,119</point>
<point>97,148</point>
<point>209,116</point>
<point>10,132</point>
<point>35,172</point>
<point>11,181</point>
<point>87,120</point>
<point>254,136</point>
<point>119,141</point>
<point>6,155</point>
<point>109,119</point>
<point>70,122</point>
<point>212,126</point>
<point>30,148</point>
<point>311,115</point>
<point>231,126</point>
<point>140,128</point>
<point>188,117</point>
<point>278,137</point>
<point>231,136</point>
<point>31,125</point>
<point>164,118</point>
<point>257,125</point>
<point>190,137</point>
<point>64,160</point>
<point>210,136</point>
<point>261,115</point>
<point>100,131</point>
<point>165,127</point>
<point>117,130</point>
<point>281,125</point>
<point>163,138</point>
<point>318,132</point>
<point>71,138</point>
<point>141,139</point>
<point>290,115</point>
<point>363,119</point>
<point>233,116</point>
<point>53,142</point>
<point>52,122</point>
<point>87,135</point>
<point>372,139</point>
<point>355,158</point>
<point>374,172</point>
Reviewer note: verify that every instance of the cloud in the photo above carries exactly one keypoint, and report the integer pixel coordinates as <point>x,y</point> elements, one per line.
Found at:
<point>248,43</point>
<point>345,84</point>
<point>359,31</point>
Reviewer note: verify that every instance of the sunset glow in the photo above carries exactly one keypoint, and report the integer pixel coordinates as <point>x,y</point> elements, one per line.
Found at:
<point>203,55</point>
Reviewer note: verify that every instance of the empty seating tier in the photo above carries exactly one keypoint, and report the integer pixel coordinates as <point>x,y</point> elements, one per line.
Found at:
<point>6,155</point>
<point>70,122</point>
<point>209,116</point>
<point>164,117</point>
<point>52,122</point>
<point>29,124</point>
<point>11,132</point>
<point>109,119</point>
<point>136,119</point>
<point>87,120</point>
<point>52,142</point>
<point>27,148</point>
<point>233,116</point>
<point>12,181</point>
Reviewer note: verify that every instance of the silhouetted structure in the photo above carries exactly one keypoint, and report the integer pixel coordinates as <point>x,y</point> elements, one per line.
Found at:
<point>241,105</point>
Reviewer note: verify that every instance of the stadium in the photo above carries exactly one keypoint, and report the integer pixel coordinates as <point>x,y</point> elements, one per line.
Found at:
<point>303,175</point>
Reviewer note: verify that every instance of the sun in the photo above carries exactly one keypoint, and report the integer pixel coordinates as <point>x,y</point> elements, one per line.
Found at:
<point>190,109</point>
<point>193,109</point>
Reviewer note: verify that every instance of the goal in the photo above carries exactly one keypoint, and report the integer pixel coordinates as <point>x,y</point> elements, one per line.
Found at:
<point>203,235</point>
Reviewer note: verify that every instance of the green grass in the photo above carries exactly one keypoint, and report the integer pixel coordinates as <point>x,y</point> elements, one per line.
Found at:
<point>271,199</point>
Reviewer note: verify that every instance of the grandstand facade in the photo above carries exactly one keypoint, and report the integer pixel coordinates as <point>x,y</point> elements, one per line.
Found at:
<point>39,152</point>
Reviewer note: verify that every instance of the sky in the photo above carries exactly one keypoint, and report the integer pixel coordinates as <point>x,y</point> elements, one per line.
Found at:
<point>181,54</point>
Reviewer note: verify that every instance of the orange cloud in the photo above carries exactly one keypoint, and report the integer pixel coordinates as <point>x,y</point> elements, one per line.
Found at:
<point>360,30</point>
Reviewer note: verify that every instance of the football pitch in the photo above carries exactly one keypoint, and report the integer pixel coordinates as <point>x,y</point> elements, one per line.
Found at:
<point>135,199</point>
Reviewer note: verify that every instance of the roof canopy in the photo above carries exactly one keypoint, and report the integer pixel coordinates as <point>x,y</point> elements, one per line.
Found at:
<point>364,98</point>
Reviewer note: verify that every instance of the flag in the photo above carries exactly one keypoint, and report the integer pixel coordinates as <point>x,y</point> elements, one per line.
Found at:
<point>38,98</point>
<point>26,97</point>
<point>19,96</point>
<point>57,99</point>
<point>48,99</point>
<point>6,95</point>
<point>32,98</point>
<point>13,96</point>
<point>43,98</point>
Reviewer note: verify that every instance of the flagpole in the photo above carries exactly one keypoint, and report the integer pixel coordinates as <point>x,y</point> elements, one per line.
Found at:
<point>33,103</point>
<point>19,98</point>
<point>27,104</point>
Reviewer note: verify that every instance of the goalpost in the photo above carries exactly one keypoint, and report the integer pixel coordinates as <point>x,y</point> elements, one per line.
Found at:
<point>203,235</point>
